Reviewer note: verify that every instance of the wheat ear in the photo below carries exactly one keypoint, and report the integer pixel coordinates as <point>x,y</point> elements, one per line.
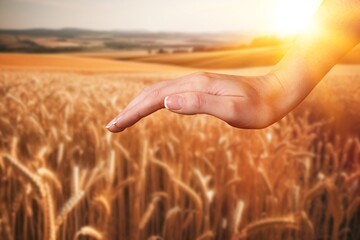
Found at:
<point>34,180</point>
<point>104,203</point>
<point>169,219</point>
<point>284,222</point>
<point>50,177</point>
<point>68,207</point>
<point>90,232</point>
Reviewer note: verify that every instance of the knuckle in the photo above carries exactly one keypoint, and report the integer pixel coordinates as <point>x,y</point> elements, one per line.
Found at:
<point>198,101</point>
<point>203,79</point>
<point>202,76</point>
<point>146,90</point>
<point>154,93</point>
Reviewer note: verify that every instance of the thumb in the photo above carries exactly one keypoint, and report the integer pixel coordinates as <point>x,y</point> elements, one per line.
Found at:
<point>226,108</point>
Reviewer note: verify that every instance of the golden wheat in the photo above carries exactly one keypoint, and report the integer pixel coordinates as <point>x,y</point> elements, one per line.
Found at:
<point>170,176</point>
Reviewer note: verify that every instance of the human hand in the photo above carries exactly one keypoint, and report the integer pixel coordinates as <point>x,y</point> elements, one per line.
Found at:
<point>243,102</point>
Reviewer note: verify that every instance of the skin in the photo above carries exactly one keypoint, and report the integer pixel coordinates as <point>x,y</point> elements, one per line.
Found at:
<point>256,102</point>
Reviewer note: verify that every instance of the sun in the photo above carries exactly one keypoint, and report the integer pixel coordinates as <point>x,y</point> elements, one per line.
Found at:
<point>292,16</point>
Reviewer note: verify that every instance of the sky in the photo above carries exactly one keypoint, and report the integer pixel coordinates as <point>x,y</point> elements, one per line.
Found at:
<point>158,15</point>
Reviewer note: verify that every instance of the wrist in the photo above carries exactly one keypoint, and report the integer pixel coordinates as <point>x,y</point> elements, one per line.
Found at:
<point>279,98</point>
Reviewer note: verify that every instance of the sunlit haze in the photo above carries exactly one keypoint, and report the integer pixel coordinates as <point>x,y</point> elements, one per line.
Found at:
<point>269,16</point>
<point>293,16</point>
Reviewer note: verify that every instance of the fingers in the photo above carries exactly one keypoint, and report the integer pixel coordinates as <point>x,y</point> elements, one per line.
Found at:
<point>238,111</point>
<point>147,90</point>
<point>152,99</point>
<point>175,84</point>
<point>125,120</point>
<point>226,108</point>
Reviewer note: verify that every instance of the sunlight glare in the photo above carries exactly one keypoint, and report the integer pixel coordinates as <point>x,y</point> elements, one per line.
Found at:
<point>292,16</point>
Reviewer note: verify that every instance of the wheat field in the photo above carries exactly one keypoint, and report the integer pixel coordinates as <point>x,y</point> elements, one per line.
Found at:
<point>63,176</point>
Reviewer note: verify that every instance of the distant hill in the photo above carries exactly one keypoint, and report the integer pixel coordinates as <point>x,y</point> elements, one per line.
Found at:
<point>225,59</point>
<point>43,32</point>
<point>198,50</point>
<point>41,40</point>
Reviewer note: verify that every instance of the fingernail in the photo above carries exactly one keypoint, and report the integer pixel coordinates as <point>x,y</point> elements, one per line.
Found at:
<point>112,122</point>
<point>173,102</point>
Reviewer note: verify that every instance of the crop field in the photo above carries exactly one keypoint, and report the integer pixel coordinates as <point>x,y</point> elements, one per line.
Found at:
<point>79,64</point>
<point>224,59</point>
<point>63,176</point>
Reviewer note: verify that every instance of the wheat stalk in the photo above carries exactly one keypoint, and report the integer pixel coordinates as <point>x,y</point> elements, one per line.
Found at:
<point>352,209</point>
<point>4,223</point>
<point>238,214</point>
<point>308,225</point>
<point>251,229</point>
<point>75,180</point>
<point>49,218</point>
<point>196,200</point>
<point>206,235</point>
<point>149,211</point>
<point>163,166</point>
